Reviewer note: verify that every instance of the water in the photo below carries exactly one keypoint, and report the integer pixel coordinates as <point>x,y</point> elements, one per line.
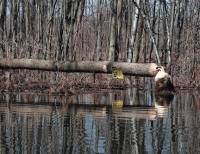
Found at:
<point>128,121</point>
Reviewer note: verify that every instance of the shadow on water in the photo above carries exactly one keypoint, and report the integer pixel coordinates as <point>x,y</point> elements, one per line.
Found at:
<point>128,121</point>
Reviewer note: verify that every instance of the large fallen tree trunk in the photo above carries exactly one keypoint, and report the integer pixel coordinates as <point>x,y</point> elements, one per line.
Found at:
<point>136,69</point>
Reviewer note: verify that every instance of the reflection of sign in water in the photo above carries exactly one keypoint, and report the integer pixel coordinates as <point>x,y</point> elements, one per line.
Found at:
<point>117,73</point>
<point>118,104</point>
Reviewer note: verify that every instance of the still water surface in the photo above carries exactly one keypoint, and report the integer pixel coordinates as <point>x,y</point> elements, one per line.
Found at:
<point>128,121</point>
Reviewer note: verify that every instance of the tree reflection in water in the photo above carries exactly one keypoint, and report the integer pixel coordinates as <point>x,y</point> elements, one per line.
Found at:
<point>110,122</point>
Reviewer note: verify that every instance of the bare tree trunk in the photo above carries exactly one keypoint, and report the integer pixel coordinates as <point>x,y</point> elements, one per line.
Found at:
<point>99,31</point>
<point>3,5</point>
<point>153,28</point>
<point>139,44</point>
<point>132,54</point>
<point>150,33</point>
<point>158,28</point>
<point>180,22</point>
<point>169,31</point>
<point>169,43</point>
<point>120,13</point>
<point>67,9</point>
<point>195,48</point>
<point>71,12</point>
<point>113,32</point>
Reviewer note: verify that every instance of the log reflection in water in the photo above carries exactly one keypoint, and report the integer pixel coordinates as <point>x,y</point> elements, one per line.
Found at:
<point>106,127</point>
<point>102,111</point>
<point>28,108</point>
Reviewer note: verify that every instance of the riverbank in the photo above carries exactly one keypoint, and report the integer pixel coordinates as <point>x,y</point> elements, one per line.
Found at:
<point>74,83</point>
<point>58,83</point>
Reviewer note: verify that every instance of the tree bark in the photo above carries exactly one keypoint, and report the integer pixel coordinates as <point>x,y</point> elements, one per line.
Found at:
<point>131,53</point>
<point>98,31</point>
<point>169,31</point>
<point>113,32</point>
<point>136,69</point>
<point>150,32</point>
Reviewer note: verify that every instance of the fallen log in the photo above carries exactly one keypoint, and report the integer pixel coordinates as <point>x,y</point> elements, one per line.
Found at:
<point>135,69</point>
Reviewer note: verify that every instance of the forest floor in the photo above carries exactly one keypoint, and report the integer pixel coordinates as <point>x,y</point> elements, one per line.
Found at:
<point>75,83</point>
<point>64,84</point>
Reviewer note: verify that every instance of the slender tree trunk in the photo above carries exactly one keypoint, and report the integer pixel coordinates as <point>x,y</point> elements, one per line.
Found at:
<point>99,31</point>
<point>139,43</point>
<point>169,31</point>
<point>180,23</point>
<point>153,27</point>
<point>113,32</point>
<point>3,5</point>
<point>150,33</point>
<point>132,54</point>
<point>120,13</point>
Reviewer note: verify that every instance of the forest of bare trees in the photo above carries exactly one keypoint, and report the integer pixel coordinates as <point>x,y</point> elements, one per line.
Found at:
<point>166,32</point>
